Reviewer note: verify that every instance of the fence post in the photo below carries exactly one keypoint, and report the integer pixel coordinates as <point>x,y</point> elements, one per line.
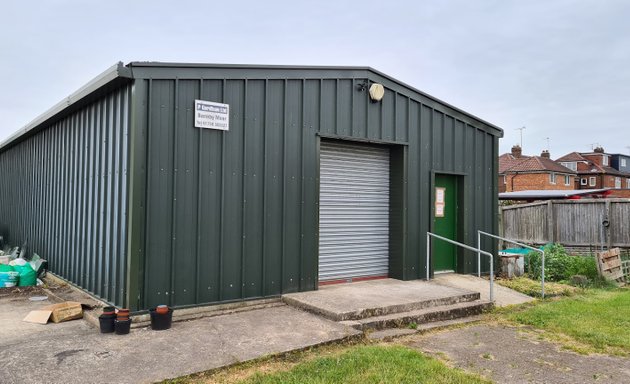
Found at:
<point>550,222</point>
<point>608,228</point>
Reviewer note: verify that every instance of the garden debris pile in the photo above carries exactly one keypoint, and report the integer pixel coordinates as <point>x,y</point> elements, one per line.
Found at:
<point>19,269</point>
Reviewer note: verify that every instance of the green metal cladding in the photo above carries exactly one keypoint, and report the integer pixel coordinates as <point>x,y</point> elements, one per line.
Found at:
<point>204,216</point>
<point>63,192</point>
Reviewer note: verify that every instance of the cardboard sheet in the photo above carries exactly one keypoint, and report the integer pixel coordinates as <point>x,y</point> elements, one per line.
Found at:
<point>39,316</point>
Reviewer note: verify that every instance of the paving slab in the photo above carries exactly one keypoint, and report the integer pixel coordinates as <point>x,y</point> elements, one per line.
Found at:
<point>503,296</point>
<point>514,355</point>
<point>75,352</point>
<point>377,297</point>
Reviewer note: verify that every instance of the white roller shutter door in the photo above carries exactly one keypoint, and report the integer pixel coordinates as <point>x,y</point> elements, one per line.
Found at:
<point>353,211</point>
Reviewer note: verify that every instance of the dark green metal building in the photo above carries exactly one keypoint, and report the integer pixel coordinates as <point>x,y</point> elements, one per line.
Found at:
<point>316,179</point>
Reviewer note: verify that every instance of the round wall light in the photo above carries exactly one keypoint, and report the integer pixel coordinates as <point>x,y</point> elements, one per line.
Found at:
<point>377,91</point>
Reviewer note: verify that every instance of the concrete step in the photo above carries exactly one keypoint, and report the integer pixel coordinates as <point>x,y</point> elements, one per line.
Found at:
<point>428,327</point>
<point>392,333</point>
<point>421,316</point>
<point>382,308</point>
<point>389,334</point>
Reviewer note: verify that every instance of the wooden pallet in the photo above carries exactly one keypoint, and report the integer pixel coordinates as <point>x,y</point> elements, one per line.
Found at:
<point>625,267</point>
<point>609,265</point>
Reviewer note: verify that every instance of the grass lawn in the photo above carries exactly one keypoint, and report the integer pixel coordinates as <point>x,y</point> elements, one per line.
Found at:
<point>599,320</point>
<point>357,363</point>
<point>370,364</point>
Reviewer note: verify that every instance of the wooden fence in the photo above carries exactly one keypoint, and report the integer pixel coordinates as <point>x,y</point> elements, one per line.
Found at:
<point>572,223</point>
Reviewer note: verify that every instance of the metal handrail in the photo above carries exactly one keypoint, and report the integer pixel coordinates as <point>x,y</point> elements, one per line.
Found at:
<point>479,252</point>
<point>542,276</point>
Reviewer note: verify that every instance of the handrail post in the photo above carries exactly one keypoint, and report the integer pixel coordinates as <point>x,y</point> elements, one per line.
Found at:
<point>428,253</point>
<point>542,274</point>
<point>468,247</point>
<point>478,253</point>
<point>491,278</point>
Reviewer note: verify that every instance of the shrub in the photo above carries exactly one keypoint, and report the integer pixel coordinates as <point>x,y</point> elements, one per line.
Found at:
<point>560,266</point>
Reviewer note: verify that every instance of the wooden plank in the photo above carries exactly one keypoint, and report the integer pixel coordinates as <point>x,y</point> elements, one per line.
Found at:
<point>608,229</point>
<point>609,265</point>
<point>551,225</point>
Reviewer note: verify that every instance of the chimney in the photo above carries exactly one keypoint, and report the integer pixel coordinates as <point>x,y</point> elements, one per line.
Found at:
<point>545,153</point>
<point>516,151</point>
<point>598,150</point>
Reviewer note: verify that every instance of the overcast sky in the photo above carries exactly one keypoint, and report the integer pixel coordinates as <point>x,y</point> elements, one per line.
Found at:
<point>559,68</point>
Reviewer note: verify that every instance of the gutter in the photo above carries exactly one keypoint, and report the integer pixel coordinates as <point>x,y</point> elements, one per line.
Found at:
<point>111,76</point>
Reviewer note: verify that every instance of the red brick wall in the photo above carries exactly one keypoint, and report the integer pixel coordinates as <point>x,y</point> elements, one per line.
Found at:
<point>534,181</point>
<point>583,167</point>
<point>623,193</point>
<point>598,181</point>
<point>602,181</point>
<point>597,158</point>
<point>501,184</point>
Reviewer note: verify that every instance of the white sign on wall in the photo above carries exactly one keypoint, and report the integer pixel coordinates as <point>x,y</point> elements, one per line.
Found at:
<point>212,115</point>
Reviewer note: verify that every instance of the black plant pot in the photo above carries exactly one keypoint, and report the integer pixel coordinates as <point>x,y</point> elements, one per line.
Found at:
<point>161,321</point>
<point>122,327</point>
<point>107,323</point>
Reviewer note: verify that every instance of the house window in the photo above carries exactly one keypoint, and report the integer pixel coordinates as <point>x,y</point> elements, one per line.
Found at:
<point>623,162</point>
<point>504,180</point>
<point>552,178</point>
<point>572,165</point>
<point>591,181</point>
<point>605,160</point>
<point>618,182</point>
<point>583,181</point>
<point>567,180</point>
<point>628,183</point>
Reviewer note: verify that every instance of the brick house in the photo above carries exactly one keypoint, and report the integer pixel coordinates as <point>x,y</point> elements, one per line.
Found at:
<point>597,170</point>
<point>522,173</point>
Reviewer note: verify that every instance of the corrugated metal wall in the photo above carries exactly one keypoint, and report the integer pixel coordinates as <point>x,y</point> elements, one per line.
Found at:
<point>64,192</point>
<point>234,215</point>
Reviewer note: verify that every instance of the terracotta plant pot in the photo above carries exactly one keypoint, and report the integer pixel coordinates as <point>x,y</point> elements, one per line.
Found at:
<point>109,311</point>
<point>122,314</point>
<point>161,309</point>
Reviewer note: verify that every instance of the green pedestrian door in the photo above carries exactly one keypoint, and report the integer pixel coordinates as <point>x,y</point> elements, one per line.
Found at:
<point>445,214</point>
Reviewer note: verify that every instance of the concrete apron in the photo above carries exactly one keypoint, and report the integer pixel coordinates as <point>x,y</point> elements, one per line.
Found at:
<point>364,299</point>
<point>74,352</point>
<point>503,296</point>
<point>79,353</point>
<point>387,308</point>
